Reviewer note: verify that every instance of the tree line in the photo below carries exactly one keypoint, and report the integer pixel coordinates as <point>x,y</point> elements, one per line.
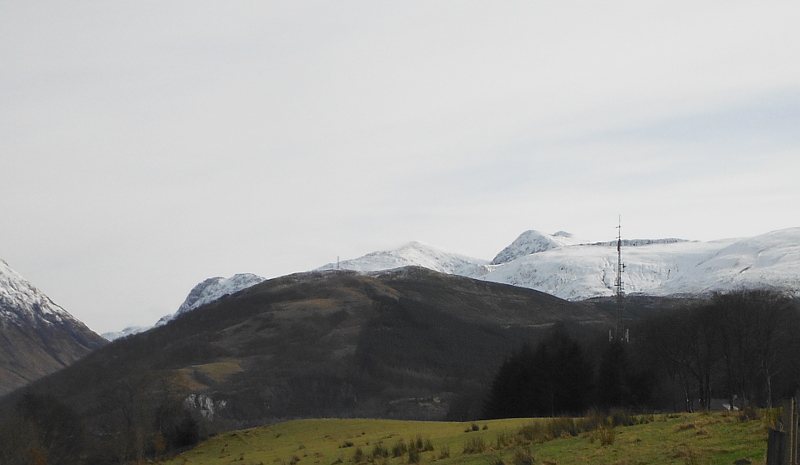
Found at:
<point>741,347</point>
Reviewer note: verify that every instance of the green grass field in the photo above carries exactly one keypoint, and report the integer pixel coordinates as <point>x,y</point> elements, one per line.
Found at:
<point>700,438</point>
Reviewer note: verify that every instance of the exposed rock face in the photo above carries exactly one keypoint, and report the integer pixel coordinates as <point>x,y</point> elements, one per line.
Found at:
<point>204,404</point>
<point>37,337</point>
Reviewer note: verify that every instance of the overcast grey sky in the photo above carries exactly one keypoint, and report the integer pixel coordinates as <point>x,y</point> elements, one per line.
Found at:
<point>146,146</point>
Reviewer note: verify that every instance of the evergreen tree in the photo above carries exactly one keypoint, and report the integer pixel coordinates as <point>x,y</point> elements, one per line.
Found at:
<point>612,376</point>
<point>555,378</point>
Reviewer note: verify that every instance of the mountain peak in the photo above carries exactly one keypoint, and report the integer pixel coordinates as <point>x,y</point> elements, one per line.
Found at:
<point>39,336</point>
<point>212,289</point>
<point>21,302</point>
<point>533,241</point>
<point>414,254</point>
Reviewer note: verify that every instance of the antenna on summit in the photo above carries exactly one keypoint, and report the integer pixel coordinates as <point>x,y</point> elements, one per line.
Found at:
<point>620,333</point>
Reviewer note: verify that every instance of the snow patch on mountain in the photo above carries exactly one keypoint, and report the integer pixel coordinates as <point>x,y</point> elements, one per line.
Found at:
<point>22,303</point>
<point>129,331</point>
<point>415,254</point>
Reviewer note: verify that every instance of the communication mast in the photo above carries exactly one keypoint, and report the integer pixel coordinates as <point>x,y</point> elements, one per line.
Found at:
<point>620,332</point>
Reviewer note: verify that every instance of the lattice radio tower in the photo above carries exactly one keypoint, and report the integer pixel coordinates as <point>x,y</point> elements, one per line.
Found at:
<point>620,332</point>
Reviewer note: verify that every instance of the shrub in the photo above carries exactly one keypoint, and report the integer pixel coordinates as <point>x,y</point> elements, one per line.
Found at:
<point>413,455</point>
<point>358,456</point>
<point>594,420</point>
<point>532,433</point>
<point>444,452</point>
<point>379,450</point>
<point>607,435</point>
<point>474,445</point>
<point>428,446</point>
<point>523,456</point>
<point>503,439</point>
<point>621,417</point>
<point>399,449</point>
<point>561,427</point>
<point>416,443</point>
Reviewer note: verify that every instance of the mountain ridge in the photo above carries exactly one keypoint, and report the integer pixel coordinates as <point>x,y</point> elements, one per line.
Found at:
<point>568,267</point>
<point>572,269</point>
<point>37,336</point>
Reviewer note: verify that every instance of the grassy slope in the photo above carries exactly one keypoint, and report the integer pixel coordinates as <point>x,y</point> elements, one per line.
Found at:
<point>717,438</point>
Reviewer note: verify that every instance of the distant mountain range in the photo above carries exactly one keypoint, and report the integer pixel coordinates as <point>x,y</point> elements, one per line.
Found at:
<point>561,265</point>
<point>414,316</point>
<point>37,336</point>
<point>573,269</point>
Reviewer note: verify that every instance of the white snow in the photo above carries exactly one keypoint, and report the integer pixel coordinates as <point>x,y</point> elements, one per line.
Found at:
<point>129,331</point>
<point>215,288</point>
<point>533,242</point>
<point>573,269</point>
<point>21,302</point>
<point>415,254</point>
<point>582,271</point>
<point>203,293</point>
<point>566,267</point>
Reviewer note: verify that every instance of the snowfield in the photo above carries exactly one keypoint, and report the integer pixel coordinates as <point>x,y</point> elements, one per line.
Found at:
<point>566,267</point>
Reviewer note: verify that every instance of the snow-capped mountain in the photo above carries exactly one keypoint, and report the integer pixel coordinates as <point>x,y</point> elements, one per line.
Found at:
<point>566,267</point>
<point>130,330</point>
<point>534,241</point>
<point>39,336</point>
<point>22,303</point>
<point>769,260</point>
<point>574,269</point>
<point>583,271</point>
<point>215,288</point>
<point>415,254</point>
<point>205,292</point>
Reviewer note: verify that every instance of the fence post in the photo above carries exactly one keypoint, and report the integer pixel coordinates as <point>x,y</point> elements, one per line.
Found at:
<point>777,450</point>
<point>793,430</point>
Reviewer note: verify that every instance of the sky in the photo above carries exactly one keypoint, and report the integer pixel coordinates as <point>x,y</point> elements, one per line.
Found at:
<point>146,146</point>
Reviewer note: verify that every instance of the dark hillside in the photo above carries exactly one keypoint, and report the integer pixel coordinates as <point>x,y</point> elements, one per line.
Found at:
<point>397,344</point>
<point>31,348</point>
